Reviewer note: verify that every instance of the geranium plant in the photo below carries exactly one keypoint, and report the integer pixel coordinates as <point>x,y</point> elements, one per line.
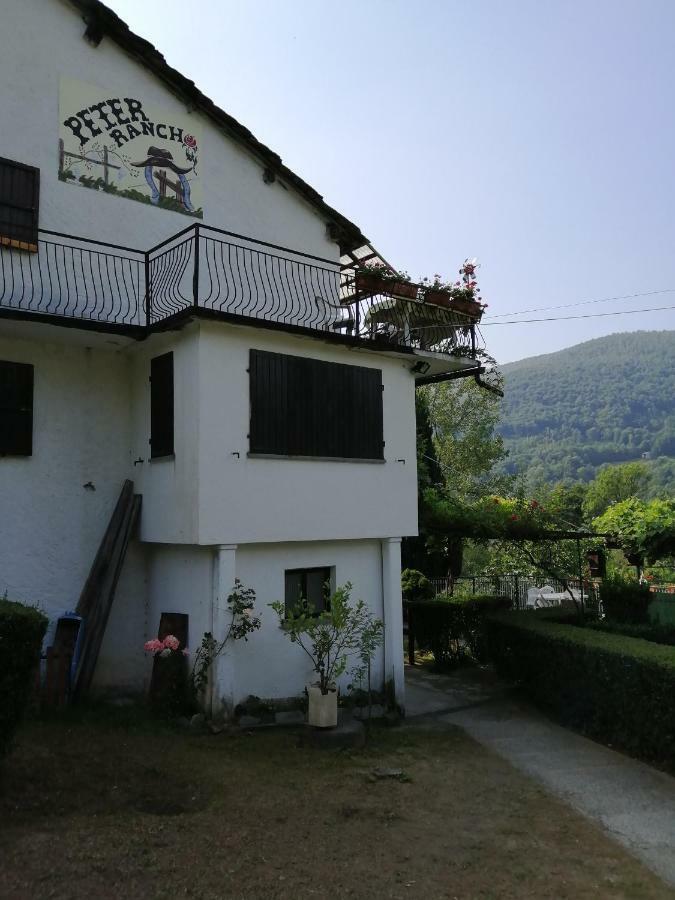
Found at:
<point>465,288</point>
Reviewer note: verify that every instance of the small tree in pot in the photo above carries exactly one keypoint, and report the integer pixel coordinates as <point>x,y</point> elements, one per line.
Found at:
<point>329,638</point>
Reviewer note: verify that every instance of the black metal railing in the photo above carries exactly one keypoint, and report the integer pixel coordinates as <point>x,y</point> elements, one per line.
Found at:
<point>226,273</point>
<point>76,278</point>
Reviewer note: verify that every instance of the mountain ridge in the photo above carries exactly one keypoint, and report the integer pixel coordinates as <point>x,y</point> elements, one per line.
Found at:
<point>607,400</point>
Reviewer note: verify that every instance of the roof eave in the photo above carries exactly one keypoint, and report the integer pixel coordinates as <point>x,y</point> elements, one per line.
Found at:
<point>103,21</point>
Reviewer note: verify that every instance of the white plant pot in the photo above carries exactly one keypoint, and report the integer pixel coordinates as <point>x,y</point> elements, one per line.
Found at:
<point>322,711</point>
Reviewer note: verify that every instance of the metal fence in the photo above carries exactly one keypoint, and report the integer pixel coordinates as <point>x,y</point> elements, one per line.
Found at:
<point>223,272</point>
<point>510,585</point>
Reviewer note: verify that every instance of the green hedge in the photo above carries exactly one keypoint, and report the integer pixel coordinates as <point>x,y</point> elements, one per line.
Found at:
<point>625,601</point>
<point>452,627</point>
<point>658,634</point>
<point>618,689</point>
<point>21,631</point>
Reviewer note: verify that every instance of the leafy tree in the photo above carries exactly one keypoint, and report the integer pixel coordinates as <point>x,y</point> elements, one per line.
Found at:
<point>645,530</point>
<point>464,417</point>
<point>613,484</point>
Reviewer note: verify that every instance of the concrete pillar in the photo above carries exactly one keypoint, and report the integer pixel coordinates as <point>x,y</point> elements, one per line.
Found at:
<point>223,674</point>
<point>392,610</point>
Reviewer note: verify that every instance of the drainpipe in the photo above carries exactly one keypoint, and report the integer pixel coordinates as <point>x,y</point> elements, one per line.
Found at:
<point>221,682</point>
<point>392,615</point>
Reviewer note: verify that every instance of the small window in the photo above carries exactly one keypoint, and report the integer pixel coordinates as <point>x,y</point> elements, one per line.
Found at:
<point>308,588</point>
<point>16,409</point>
<point>161,406</point>
<point>19,205</point>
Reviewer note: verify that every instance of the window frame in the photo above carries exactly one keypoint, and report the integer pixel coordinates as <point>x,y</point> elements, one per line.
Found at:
<point>326,592</point>
<point>14,240</point>
<point>22,443</point>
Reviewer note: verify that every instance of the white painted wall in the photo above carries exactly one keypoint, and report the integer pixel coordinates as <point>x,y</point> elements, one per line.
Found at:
<point>268,665</point>
<point>50,524</point>
<point>42,40</point>
<point>245,500</point>
<point>169,485</point>
<point>181,580</point>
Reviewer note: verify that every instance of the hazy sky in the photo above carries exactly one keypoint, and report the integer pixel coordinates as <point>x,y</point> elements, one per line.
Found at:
<point>537,135</point>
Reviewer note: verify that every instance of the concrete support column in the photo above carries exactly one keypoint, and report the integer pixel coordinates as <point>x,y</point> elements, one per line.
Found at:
<point>392,610</point>
<point>223,674</point>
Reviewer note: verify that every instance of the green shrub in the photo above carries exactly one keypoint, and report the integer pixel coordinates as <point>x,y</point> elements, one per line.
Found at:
<point>625,601</point>
<point>658,634</point>
<point>453,627</point>
<point>618,689</point>
<point>21,631</point>
<point>416,586</point>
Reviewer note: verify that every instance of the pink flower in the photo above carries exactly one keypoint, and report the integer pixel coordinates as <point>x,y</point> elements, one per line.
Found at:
<point>190,140</point>
<point>153,645</point>
<point>171,642</point>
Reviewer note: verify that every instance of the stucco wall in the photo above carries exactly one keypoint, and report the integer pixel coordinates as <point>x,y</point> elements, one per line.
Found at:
<point>50,523</point>
<point>181,580</point>
<point>244,499</point>
<point>42,40</point>
<point>268,665</point>
<point>169,485</point>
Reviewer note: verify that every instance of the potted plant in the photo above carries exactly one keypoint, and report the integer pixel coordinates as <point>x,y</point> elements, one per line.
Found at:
<point>461,296</point>
<point>329,639</point>
<point>380,279</point>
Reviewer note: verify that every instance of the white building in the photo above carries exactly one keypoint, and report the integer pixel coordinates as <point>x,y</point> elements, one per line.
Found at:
<point>281,410</point>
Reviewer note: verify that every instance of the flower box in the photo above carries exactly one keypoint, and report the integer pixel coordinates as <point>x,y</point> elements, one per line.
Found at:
<point>369,285</point>
<point>469,307</point>
<point>438,298</point>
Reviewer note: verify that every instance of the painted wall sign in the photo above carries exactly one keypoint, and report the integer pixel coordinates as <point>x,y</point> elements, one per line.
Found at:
<point>117,144</point>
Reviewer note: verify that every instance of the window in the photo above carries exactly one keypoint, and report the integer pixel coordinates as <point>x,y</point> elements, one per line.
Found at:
<point>307,407</point>
<point>19,205</point>
<point>312,586</point>
<point>161,406</point>
<point>16,409</point>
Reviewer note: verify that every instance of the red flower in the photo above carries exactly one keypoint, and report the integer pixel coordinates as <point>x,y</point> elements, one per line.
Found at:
<point>514,518</point>
<point>190,140</point>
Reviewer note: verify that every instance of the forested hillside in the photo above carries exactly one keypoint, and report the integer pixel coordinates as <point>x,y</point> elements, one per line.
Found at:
<point>609,400</point>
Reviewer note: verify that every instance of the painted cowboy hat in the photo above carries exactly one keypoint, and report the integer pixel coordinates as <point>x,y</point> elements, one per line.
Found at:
<point>162,159</point>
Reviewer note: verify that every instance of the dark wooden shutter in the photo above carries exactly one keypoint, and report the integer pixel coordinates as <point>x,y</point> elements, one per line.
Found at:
<point>16,409</point>
<point>19,204</point>
<point>308,407</point>
<point>161,405</point>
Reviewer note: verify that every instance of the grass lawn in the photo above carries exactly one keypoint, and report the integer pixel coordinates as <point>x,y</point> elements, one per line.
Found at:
<point>94,806</point>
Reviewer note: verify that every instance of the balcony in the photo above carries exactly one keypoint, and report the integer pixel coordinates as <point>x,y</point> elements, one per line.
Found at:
<point>209,272</point>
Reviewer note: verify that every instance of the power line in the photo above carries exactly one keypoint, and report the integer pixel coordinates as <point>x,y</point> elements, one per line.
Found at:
<point>621,312</point>
<point>520,312</point>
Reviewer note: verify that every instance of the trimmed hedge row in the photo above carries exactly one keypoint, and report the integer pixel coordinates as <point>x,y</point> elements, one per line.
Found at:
<point>619,689</point>
<point>21,631</point>
<point>452,627</point>
<point>625,601</point>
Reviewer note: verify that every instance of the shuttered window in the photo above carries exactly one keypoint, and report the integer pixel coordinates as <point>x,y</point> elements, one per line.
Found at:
<point>161,405</point>
<point>307,407</point>
<point>19,205</point>
<point>16,409</point>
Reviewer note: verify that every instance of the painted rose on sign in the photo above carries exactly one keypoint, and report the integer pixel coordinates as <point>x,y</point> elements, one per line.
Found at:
<point>119,145</point>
